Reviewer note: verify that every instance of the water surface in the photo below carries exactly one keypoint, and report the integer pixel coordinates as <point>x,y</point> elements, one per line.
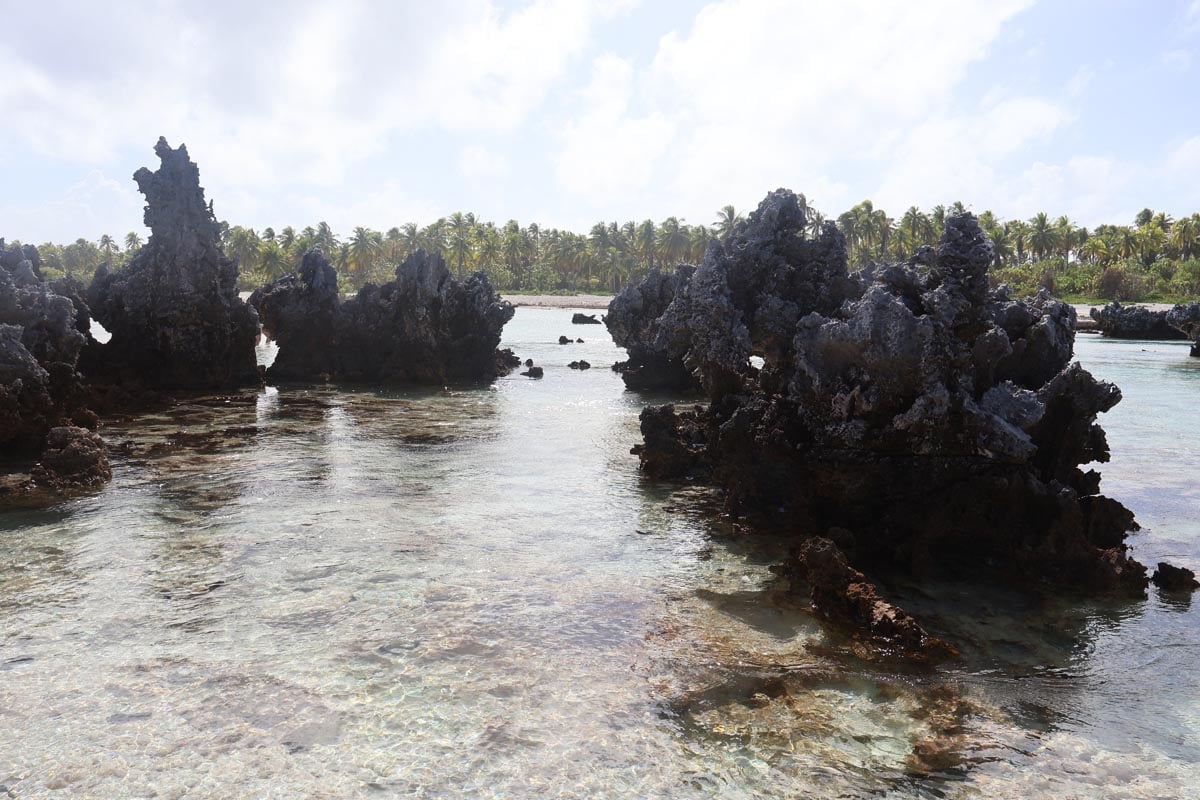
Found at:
<point>328,593</point>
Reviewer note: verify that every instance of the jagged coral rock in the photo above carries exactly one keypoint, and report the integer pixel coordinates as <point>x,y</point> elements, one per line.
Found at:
<point>632,319</point>
<point>40,342</point>
<point>1186,319</point>
<point>173,311</point>
<point>299,312</point>
<point>1134,322</point>
<point>939,422</point>
<point>423,327</point>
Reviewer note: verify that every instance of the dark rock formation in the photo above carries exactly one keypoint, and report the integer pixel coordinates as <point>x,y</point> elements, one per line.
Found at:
<point>423,327</point>
<point>300,314</point>
<point>844,596</point>
<point>1186,318</point>
<point>533,372</point>
<point>632,320</point>
<point>1134,322</point>
<point>40,342</point>
<point>529,362</point>
<point>581,364</point>
<point>564,340</point>
<point>1174,579</point>
<point>940,424</point>
<point>173,311</point>
<point>74,458</point>
<point>584,319</point>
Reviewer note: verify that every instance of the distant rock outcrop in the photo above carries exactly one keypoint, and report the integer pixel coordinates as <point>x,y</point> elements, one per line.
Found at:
<point>1135,322</point>
<point>424,327</point>
<point>937,425</point>
<point>173,311</point>
<point>584,319</point>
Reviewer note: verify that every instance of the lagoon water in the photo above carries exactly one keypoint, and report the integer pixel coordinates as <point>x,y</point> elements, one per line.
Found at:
<point>310,592</point>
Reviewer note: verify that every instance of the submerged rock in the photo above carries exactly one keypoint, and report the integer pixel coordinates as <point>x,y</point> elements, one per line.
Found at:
<point>581,364</point>
<point>844,596</point>
<point>1186,318</point>
<point>423,327</point>
<point>533,372</point>
<point>940,424</point>
<point>73,458</point>
<point>584,319</point>
<point>1135,322</point>
<point>173,311</point>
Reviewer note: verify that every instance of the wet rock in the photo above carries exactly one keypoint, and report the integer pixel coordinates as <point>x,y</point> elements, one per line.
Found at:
<point>1174,579</point>
<point>579,341</point>
<point>173,311</point>
<point>424,327</point>
<point>579,365</point>
<point>584,319</point>
<point>844,596</point>
<point>73,458</point>
<point>1134,322</point>
<point>563,340</point>
<point>940,424</point>
<point>533,372</point>
<point>1186,318</point>
<point>529,362</point>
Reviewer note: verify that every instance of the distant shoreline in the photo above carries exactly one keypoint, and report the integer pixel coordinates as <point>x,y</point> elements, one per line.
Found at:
<point>599,301</point>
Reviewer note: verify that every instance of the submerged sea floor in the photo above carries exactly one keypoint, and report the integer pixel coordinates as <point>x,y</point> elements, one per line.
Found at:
<point>328,593</point>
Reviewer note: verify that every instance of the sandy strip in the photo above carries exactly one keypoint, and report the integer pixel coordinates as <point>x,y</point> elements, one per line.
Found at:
<point>600,301</point>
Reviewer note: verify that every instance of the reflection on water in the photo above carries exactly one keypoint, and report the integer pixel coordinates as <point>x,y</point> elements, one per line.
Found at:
<point>470,592</point>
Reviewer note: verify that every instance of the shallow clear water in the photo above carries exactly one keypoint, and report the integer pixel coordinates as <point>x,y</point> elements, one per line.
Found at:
<point>309,592</point>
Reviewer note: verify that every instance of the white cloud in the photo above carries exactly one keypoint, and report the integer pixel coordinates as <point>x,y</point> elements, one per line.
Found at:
<point>608,154</point>
<point>762,93</point>
<point>476,161</point>
<point>93,206</point>
<point>272,96</point>
<point>1186,156</point>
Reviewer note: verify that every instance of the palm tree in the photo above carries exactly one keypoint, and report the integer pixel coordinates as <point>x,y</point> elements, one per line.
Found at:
<point>727,220</point>
<point>365,247</point>
<point>108,246</point>
<point>1042,235</point>
<point>460,239</point>
<point>1185,236</point>
<point>672,240</point>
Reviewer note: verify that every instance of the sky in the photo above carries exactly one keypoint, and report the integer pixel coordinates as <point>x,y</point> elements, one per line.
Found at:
<point>569,112</point>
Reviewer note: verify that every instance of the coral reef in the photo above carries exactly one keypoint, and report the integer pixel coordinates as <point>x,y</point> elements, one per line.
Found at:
<point>173,311</point>
<point>423,327</point>
<point>632,319</point>
<point>937,425</point>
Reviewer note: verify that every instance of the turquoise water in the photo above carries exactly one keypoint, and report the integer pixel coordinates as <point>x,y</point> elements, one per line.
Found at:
<point>312,592</point>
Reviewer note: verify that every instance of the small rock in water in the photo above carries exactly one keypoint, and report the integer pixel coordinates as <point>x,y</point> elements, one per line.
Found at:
<point>584,319</point>
<point>1174,579</point>
<point>563,340</point>
<point>533,372</point>
<point>579,365</point>
<point>529,362</point>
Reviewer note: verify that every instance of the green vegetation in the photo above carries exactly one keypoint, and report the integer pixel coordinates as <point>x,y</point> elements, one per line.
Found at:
<point>1156,258</point>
